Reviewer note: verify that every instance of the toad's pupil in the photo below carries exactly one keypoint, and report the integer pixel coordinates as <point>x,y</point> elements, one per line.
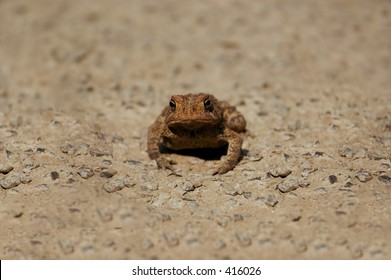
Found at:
<point>172,105</point>
<point>207,104</point>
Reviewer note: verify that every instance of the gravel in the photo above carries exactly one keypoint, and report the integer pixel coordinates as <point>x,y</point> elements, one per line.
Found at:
<point>161,199</point>
<point>376,156</point>
<point>171,239</point>
<point>271,201</point>
<point>68,149</point>
<point>385,179</point>
<point>150,186</point>
<point>108,173</point>
<point>147,244</point>
<point>219,244</point>
<point>243,240</point>
<point>280,172</point>
<point>346,152</point>
<point>364,176</point>
<point>54,175</point>
<point>105,216</point>
<point>5,168</point>
<point>85,172</point>
<point>289,185</point>
<point>25,179</point>
<point>66,247</point>
<point>333,179</point>
<point>118,183</point>
<point>11,181</point>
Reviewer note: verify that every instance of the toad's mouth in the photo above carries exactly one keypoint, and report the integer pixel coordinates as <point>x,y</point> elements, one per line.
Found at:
<point>191,124</point>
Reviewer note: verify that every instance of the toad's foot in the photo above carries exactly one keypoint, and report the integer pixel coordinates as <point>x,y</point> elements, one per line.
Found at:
<point>228,162</point>
<point>165,163</point>
<point>224,167</point>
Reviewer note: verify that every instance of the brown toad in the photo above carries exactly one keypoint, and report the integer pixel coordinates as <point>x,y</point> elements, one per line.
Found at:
<point>195,121</point>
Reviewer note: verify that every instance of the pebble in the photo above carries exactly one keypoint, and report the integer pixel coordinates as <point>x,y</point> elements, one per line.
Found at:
<point>54,175</point>
<point>108,243</point>
<point>147,244</point>
<point>66,247</point>
<point>41,187</point>
<point>5,168</point>
<point>319,154</point>
<point>307,168</point>
<point>126,217</point>
<point>271,200</point>
<point>108,173</point>
<point>40,150</point>
<point>68,149</point>
<point>171,239</point>
<point>188,187</point>
<point>347,187</point>
<point>176,204</point>
<point>70,181</point>
<point>161,199</point>
<point>237,217</point>
<point>376,156</point>
<point>346,152</point>
<point>99,152</point>
<point>288,158</point>
<point>233,190</point>
<point>25,179</point>
<point>83,149</point>
<point>385,179</point>
<point>254,157</point>
<point>364,176</point>
<point>256,184</point>
<point>265,242</point>
<point>285,235</point>
<point>295,215</point>
<point>132,162</point>
<point>294,125</point>
<point>289,185</point>
<point>10,133</point>
<point>243,239</point>
<point>88,250</point>
<point>333,179</point>
<point>300,246</point>
<point>361,152</point>
<point>356,252</point>
<point>321,248</point>
<point>376,253</point>
<point>193,205</point>
<point>280,172</point>
<point>118,184</point>
<point>320,190</point>
<point>247,195</point>
<point>231,202</point>
<point>150,186</point>
<point>219,244</point>
<point>85,172</point>
<point>11,181</point>
<point>105,215</point>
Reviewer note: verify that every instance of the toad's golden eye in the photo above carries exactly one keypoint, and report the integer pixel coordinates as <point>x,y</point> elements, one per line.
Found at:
<point>208,104</point>
<point>172,105</point>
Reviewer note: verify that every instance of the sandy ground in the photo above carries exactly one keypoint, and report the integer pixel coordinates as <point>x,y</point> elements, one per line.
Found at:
<point>81,81</point>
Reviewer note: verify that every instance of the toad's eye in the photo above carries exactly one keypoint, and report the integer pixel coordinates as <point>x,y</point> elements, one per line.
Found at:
<point>208,104</point>
<point>172,105</point>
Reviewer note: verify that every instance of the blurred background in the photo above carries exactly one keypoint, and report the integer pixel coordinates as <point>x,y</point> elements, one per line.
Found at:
<point>61,50</point>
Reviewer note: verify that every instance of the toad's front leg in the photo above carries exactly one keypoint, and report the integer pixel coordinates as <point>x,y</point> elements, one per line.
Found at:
<point>234,147</point>
<point>154,135</point>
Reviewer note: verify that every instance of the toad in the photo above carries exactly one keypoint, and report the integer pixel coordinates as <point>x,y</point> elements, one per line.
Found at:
<point>196,121</point>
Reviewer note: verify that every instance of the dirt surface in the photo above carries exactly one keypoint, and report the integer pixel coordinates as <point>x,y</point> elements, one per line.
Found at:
<point>81,81</point>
